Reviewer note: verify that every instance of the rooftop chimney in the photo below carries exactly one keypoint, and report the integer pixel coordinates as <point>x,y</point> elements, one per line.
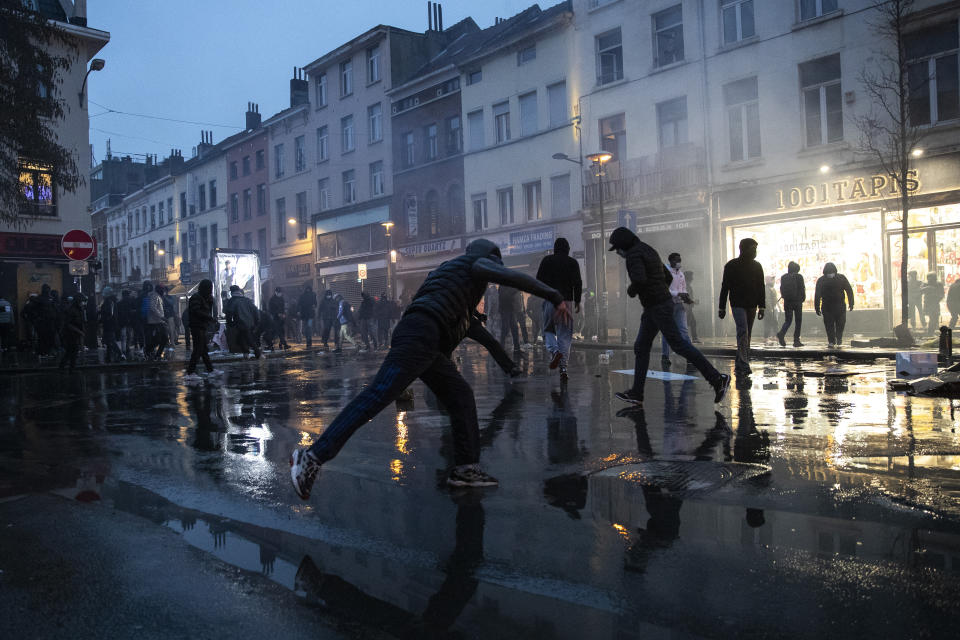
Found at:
<point>253,116</point>
<point>206,141</point>
<point>439,17</point>
<point>299,89</point>
<point>429,16</point>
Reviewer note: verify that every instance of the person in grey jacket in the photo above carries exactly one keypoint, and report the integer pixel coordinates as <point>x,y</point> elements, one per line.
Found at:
<point>156,324</point>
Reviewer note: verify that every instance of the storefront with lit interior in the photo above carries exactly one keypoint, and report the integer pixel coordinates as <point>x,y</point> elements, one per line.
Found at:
<point>853,220</point>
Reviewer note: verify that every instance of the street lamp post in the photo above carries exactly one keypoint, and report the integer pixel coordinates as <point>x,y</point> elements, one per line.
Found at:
<point>97,64</point>
<point>598,160</point>
<point>391,258</point>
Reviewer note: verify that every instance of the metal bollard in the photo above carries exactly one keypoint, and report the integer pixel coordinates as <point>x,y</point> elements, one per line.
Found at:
<point>946,346</point>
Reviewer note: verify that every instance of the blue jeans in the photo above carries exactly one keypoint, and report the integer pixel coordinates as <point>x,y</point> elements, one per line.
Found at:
<point>656,319</point>
<point>680,317</point>
<point>308,330</point>
<point>743,317</point>
<point>557,336</point>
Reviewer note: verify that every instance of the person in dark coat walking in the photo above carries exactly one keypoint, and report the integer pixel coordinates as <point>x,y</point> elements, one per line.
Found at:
<point>794,292</point>
<point>126,319</point>
<point>561,272</point>
<point>73,326</point>
<point>243,318</point>
<point>953,302</point>
<point>932,297</point>
<point>365,315</point>
<point>110,323</point>
<point>743,282</point>
<point>308,312</point>
<point>201,315</point>
<point>91,323</point>
<point>649,280</point>
<point>328,318</point>
<point>828,301</point>
<point>46,321</point>
<point>437,320</point>
<point>278,313</point>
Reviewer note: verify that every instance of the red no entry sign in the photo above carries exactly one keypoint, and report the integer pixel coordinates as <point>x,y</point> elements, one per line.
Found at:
<point>77,244</point>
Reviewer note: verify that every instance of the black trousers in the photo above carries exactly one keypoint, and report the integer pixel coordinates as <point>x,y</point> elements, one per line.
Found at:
<point>112,348</point>
<point>71,347</point>
<point>833,321</point>
<point>329,326</point>
<point>508,322</point>
<point>415,352</point>
<point>280,330</point>
<point>792,312</point>
<point>198,336</point>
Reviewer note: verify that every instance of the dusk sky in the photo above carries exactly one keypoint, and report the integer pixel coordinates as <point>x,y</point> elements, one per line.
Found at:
<point>202,61</point>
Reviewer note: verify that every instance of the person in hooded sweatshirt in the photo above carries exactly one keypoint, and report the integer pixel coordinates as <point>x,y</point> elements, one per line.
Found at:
<point>328,318</point>
<point>828,301</point>
<point>243,317</point>
<point>794,292</point>
<point>110,322</point>
<point>73,332</point>
<point>743,282</point>
<point>650,280</point>
<point>437,320</point>
<point>562,273</point>
<point>200,306</point>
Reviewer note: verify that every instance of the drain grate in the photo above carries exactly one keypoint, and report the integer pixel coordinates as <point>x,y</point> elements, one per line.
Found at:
<point>683,476</point>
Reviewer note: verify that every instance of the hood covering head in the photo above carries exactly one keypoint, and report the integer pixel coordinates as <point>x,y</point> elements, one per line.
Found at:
<point>829,268</point>
<point>206,287</point>
<point>107,292</point>
<point>235,290</point>
<point>622,238</point>
<point>328,294</point>
<point>365,295</point>
<point>483,248</point>
<point>45,290</point>
<point>793,267</point>
<point>561,247</point>
<point>160,289</point>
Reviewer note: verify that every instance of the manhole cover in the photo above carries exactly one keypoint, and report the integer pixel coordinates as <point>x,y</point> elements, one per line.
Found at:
<point>683,476</point>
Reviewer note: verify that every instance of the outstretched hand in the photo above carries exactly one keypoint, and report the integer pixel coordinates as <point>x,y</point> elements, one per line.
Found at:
<point>562,313</point>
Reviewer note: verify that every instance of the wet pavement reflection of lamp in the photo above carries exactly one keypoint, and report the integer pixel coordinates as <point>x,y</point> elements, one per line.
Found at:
<point>598,160</point>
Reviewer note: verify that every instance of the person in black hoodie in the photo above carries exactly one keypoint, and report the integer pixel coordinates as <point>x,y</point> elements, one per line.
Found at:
<point>793,292</point>
<point>201,315</point>
<point>437,320</point>
<point>561,272</point>
<point>110,322</point>
<point>743,281</point>
<point>365,314</point>
<point>73,326</point>
<point>828,300</point>
<point>278,313</point>
<point>328,318</point>
<point>650,280</point>
<point>308,311</point>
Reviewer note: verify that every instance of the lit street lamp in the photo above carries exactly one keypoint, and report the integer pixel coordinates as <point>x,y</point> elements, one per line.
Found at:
<point>598,160</point>
<point>391,259</point>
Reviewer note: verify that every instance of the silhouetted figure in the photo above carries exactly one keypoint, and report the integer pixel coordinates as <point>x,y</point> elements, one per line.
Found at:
<point>828,301</point>
<point>743,281</point>
<point>932,297</point>
<point>794,292</point>
<point>73,332</point>
<point>953,302</point>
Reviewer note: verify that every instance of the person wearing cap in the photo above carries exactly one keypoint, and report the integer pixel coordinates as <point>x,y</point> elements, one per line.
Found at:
<point>650,280</point>
<point>743,282</point>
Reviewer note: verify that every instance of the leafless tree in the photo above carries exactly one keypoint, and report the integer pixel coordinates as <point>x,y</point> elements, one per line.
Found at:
<point>886,132</point>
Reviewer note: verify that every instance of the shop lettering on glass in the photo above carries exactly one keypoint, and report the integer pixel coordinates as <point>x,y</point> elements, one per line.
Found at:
<point>295,271</point>
<point>876,187</point>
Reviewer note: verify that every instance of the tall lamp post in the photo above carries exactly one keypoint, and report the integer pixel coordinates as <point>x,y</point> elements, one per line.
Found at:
<point>391,258</point>
<point>598,160</point>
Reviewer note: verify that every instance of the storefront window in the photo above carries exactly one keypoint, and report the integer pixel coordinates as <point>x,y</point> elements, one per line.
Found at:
<point>326,246</point>
<point>850,241</point>
<point>926,216</point>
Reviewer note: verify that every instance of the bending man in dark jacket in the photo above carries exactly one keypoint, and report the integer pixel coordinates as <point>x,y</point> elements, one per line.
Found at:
<point>561,272</point>
<point>649,279</point>
<point>743,281</point>
<point>200,309</point>
<point>436,321</point>
<point>828,300</point>
<point>243,318</point>
<point>793,292</point>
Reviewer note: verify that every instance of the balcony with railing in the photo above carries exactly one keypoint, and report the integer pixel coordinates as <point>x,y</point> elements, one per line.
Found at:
<point>678,170</point>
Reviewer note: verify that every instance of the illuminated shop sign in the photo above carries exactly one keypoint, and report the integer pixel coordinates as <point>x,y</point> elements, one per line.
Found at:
<point>848,190</point>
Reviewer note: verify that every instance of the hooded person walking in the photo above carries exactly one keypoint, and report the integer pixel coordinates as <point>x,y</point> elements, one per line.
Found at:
<point>794,292</point>
<point>743,282</point>
<point>650,280</point>
<point>201,315</point>
<point>828,301</point>
<point>561,272</point>
<point>435,322</point>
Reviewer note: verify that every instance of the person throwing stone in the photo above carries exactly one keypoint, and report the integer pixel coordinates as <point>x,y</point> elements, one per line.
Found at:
<point>650,280</point>
<point>436,321</point>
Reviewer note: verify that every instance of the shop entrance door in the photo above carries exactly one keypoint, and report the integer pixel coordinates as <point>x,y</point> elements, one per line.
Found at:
<point>934,251</point>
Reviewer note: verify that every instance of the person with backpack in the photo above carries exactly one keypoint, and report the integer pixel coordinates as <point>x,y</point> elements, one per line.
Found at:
<point>243,320</point>
<point>793,292</point>
<point>110,324</point>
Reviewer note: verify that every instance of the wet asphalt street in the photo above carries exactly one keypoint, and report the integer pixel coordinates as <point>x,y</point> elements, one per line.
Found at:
<point>811,503</point>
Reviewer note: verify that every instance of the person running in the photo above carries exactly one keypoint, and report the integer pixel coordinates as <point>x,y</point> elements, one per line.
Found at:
<point>794,292</point>
<point>562,273</point>
<point>436,321</point>
<point>278,311</point>
<point>201,315</point>
<point>649,280</point>
<point>828,300</point>
<point>743,282</point>
<point>344,324</point>
<point>679,295</point>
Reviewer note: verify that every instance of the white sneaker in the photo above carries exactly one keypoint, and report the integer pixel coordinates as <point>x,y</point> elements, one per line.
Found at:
<point>190,378</point>
<point>304,469</point>
<point>214,373</point>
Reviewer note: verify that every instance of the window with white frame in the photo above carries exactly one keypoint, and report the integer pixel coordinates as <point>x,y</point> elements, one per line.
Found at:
<point>323,193</point>
<point>430,145</point>
<point>560,196</point>
<point>609,57</point>
<point>160,212</point>
<point>505,205</point>
<point>299,154</point>
<point>278,161</point>
<point>599,3</point>
<point>375,122</point>
<point>672,122</point>
<point>373,64</point>
<point>281,219</point>
<point>201,202</point>
<point>810,9</point>
<point>169,210</point>
<point>501,121</point>
<point>933,74</point>
<point>213,193</point>
<point>323,144</point>
<point>822,100</point>
<point>557,97</point>
<point>409,152</point>
<point>347,142</point>
<point>376,178</point>
<point>613,136</point>
<point>738,21</point>
<point>533,200</point>
<point>526,54</point>
<point>478,202</point>
<point>349,186</point>
<point>346,78</point>
<point>475,120</point>
<point>322,90</point>
<point>668,36</point>
<point>743,118</point>
<point>528,113</point>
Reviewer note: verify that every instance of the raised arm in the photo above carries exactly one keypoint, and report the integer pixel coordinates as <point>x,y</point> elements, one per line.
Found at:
<point>492,272</point>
